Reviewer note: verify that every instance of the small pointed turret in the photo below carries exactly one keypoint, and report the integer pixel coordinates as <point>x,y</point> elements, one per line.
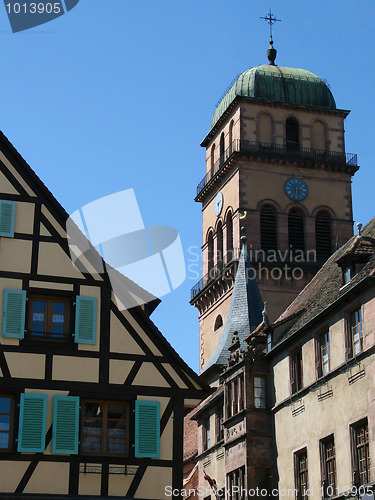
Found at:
<point>245,312</point>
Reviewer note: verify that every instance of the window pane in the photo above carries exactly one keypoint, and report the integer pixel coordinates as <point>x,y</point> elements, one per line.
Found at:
<point>5,404</point>
<point>116,446</point>
<point>39,306</point>
<point>4,440</point>
<point>4,422</point>
<point>92,444</point>
<point>116,410</point>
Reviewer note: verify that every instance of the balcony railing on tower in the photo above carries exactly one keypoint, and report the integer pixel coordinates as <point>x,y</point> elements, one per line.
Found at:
<point>278,151</point>
<point>216,271</point>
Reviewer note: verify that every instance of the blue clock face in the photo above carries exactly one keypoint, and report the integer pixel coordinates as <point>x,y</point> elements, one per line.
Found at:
<point>296,189</point>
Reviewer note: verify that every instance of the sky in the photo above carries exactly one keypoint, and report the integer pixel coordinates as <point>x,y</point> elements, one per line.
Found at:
<point>118,94</point>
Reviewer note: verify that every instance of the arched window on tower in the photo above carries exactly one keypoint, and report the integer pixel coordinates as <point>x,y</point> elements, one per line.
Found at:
<point>210,252</point>
<point>323,235</point>
<point>212,156</point>
<point>229,238</point>
<point>219,245</point>
<point>296,230</point>
<point>292,133</point>
<point>222,148</point>
<point>319,136</point>
<point>218,322</point>
<point>265,129</point>
<point>268,228</point>
<point>231,136</point>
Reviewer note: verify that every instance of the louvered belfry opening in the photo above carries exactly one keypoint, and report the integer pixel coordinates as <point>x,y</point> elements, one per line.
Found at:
<point>210,252</point>
<point>268,228</point>
<point>296,230</point>
<point>219,245</point>
<point>323,235</point>
<point>222,149</point>
<point>292,133</point>
<point>229,238</point>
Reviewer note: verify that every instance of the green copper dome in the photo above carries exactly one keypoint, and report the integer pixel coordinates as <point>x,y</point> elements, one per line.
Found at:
<point>278,84</point>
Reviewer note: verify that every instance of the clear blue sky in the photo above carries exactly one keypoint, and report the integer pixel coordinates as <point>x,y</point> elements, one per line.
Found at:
<point>119,94</point>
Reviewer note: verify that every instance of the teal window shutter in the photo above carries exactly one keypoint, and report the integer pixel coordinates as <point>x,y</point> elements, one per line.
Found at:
<point>147,429</point>
<point>32,423</point>
<point>85,330</point>
<point>7,218</point>
<point>65,425</point>
<point>14,309</point>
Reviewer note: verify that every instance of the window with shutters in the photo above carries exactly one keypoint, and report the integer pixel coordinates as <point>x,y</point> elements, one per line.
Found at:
<point>7,218</point>
<point>49,318</point>
<point>147,429</point>
<point>296,230</point>
<point>328,466</point>
<point>268,228</point>
<point>301,474</point>
<point>360,452</point>
<point>14,307</point>
<point>323,235</point>
<point>65,424</point>
<point>6,422</point>
<point>32,423</point>
<point>105,427</point>
<point>292,133</point>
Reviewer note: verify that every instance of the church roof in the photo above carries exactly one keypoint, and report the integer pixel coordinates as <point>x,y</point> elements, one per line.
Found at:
<point>245,311</point>
<point>278,84</point>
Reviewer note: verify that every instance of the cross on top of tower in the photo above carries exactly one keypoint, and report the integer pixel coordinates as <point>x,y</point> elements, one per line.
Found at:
<point>271,52</point>
<point>270,20</point>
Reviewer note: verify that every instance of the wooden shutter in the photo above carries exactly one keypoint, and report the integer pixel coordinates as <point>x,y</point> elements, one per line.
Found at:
<point>85,329</point>
<point>32,423</point>
<point>147,429</point>
<point>323,467</point>
<point>7,218</point>
<point>65,425</point>
<point>14,308</point>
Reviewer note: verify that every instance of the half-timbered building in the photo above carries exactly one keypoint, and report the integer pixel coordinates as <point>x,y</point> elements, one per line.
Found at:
<point>92,396</point>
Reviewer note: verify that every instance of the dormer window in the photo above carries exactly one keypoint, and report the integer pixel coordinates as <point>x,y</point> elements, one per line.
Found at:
<point>356,257</point>
<point>347,275</point>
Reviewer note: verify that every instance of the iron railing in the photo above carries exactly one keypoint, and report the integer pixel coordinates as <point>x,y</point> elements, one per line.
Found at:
<point>278,151</point>
<point>215,272</point>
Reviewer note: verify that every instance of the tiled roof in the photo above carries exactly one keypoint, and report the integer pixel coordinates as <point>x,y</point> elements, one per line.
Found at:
<point>245,312</point>
<point>327,285</point>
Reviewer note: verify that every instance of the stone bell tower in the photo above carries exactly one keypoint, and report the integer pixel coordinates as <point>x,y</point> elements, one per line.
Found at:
<point>276,165</point>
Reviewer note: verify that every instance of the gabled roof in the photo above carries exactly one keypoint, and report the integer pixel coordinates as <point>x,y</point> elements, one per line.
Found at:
<point>245,311</point>
<point>327,286</point>
<point>140,314</point>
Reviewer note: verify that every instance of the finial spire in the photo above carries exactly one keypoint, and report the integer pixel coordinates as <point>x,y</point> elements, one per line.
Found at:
<point>359,227</point>
<point>271,52</point>
<point>264,312</point>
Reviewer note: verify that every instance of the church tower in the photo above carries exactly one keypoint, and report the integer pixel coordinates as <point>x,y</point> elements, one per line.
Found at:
<point>276,172</point>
